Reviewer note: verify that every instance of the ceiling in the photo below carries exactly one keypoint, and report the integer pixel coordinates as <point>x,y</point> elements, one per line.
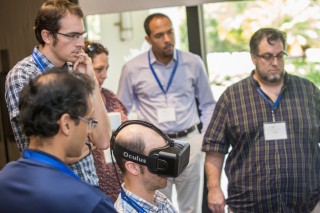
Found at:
<point>115,6</point>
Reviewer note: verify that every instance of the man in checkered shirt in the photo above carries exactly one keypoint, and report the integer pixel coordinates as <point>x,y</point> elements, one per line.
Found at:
<point>59,29</point>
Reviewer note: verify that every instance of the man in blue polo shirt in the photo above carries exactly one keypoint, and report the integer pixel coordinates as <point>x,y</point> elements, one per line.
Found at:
<point>56,111</point>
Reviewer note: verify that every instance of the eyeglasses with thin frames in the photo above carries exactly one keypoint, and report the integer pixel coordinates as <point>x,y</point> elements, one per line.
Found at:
<point>91,48</point>
<point>73,36</point>
<point>269,57</point>
<point>92,123</point>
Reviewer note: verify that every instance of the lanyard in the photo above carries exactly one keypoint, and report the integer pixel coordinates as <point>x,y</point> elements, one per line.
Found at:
<point>46,159</point>
<point>275,104</point>
<point>38,62</point>
<point>131,202</point>
<point>267,100</point>
<point>171,77</point>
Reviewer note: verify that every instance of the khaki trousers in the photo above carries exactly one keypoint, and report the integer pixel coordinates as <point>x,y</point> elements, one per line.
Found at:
<point>317,209</point>
<point>189,184</point>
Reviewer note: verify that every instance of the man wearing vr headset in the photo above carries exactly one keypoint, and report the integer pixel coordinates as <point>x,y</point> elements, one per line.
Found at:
<point>163,84</point>
<point>146,166</point>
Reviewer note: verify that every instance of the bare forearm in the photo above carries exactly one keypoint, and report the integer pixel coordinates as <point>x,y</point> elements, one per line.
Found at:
<point>213,165</point>
<point>101,134</point>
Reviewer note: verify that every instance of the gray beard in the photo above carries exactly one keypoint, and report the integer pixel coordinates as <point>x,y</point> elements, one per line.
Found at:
<point>273,79</point>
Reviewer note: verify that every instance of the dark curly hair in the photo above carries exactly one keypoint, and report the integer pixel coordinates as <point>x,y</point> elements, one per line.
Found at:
<point>94,48</point>
<point>271,34</point>
<point>50,14</point>
<point>47,97</point>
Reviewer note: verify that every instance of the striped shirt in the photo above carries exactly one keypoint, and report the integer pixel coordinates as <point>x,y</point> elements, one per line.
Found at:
<point>163,203</point>
<point>16,79</point>
<point>274,175</point>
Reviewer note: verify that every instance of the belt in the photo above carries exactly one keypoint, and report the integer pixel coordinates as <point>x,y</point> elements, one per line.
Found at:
<point>182,133</point>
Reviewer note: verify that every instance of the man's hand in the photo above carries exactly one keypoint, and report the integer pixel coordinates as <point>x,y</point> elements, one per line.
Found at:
<point>84,65</point>
<point>216,200</point>
<point>213,166</point>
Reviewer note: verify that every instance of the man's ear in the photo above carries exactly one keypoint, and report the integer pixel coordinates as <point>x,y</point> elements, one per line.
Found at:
<point>147,39</point>
<point>65,124</point>
<point>132,168</point>
<point>47,36</point>
<point>254,59</point>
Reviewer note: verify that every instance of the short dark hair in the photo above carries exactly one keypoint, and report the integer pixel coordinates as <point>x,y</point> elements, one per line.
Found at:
<point>134,144</point>
<point>50,14</point>
<point>150,18</point>
<point>94,48</point>
<point>271,34</point>
<point>47,97</point>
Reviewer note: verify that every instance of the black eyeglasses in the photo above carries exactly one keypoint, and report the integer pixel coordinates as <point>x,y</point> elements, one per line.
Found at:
<point>91,48</point>
<point>92,123</point>
<point>270,57</point>
<point>73,36</point>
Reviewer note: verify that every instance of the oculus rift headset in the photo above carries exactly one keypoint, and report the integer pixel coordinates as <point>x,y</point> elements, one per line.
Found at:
<point>169,160</point>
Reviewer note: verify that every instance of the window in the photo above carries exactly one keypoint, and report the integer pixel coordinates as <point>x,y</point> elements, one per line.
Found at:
<point>229,26</point>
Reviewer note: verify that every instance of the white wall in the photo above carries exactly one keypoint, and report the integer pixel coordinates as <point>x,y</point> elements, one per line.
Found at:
<point>120,51</point>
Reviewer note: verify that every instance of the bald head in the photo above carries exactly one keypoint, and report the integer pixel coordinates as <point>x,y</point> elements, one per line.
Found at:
<point>139,139</point>
<point>141,134</point>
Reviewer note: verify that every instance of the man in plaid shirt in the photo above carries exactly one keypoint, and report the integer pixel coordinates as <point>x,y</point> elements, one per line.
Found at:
<point>271,119</point>
<point>59,29</point>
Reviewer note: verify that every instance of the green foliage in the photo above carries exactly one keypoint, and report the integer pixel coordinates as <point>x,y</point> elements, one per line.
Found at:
<point>229,26</point>
<point>233,43</point>
<point>307,70</point>
<point>314,76</point>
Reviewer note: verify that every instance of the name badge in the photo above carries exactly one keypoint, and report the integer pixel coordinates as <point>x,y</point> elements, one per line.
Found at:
<point>166,114</point>
<point>275,131</point>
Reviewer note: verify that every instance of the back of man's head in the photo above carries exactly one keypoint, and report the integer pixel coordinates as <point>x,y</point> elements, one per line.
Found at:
<point>47,97</point>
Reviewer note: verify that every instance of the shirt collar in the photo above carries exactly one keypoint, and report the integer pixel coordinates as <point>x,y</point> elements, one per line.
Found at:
<point>154,60</point>
<point>146,205</point>
<point>46,62</point>
<point>159,198</point>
